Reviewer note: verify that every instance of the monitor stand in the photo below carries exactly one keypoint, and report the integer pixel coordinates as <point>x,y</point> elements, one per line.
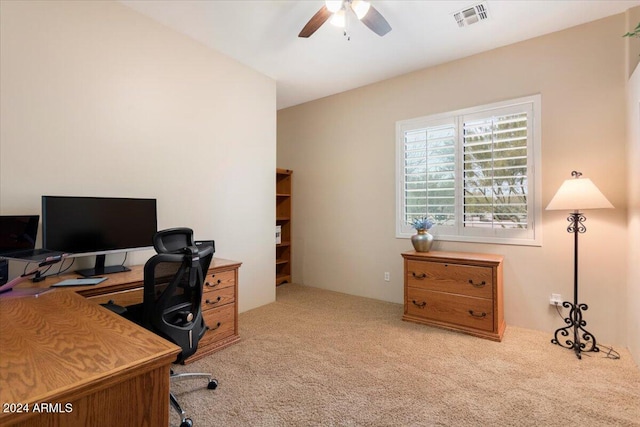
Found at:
<point>100,269</point>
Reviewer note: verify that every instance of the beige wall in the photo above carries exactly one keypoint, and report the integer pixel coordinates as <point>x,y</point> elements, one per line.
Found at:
<point>633,161</point>
<point>99,100</point>
<point>341,149</point>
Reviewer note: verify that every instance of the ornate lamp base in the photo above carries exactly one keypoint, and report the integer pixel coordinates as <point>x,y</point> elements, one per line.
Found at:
<point>580,334</point>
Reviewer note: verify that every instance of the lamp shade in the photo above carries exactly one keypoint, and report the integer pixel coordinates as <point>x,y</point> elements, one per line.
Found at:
<point>333,5</point>
<point>360,8</point>
<point>339,19</point>
<point>578,194</point>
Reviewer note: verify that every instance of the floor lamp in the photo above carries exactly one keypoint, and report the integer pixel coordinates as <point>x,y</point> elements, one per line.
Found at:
<point>577,194</point>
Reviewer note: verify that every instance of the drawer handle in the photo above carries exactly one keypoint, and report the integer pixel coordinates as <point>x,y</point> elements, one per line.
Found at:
<point>212,285</point>
<point>208,301</point>
<point>418,276</point>
<point>477,285</point>
<point>215,327</point>
<point>471,312</point>
<point>419,305</point>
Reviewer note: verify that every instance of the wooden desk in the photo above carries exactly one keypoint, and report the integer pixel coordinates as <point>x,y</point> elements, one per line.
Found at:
<point>219,301</point>
<point>60,352</point>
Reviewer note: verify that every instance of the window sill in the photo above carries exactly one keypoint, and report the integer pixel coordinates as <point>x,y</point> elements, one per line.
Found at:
<point>482,240</point>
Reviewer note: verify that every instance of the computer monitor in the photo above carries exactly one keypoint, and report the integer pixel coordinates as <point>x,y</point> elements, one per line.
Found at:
<point>98,225</point>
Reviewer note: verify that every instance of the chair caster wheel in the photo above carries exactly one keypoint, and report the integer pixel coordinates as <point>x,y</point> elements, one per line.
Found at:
<point>213,384</point>
<point>186,423</point>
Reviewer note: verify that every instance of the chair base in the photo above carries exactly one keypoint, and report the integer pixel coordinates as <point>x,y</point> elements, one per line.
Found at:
<point>212,385</point>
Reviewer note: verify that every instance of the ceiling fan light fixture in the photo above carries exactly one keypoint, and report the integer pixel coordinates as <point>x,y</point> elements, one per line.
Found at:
<point>339,19</point>
<point>360,8</point>
<point>333,5</point>
<point>337,11</point>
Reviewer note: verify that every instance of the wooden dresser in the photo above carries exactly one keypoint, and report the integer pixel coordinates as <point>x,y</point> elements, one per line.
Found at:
<point>219,300</point>
<point>455,290</point>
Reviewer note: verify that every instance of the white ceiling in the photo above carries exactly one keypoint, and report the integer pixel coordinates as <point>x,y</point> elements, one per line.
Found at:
<point>263,34</point>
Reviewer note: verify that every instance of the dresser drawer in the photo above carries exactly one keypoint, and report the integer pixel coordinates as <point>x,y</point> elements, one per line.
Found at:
<point>213,298</point>
<point>454,278</point>
<point>460,310</point>
<point>219,280</point>
<point>221,324</point>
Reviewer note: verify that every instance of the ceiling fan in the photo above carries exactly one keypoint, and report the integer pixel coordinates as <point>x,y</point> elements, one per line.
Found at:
<point>338,11</point>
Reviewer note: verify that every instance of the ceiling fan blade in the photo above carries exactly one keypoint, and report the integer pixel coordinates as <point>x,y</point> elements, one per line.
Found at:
<point>376,22</point>
<point>315,22</point>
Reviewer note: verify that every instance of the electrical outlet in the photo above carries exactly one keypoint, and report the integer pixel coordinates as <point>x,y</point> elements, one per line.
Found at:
<point>386,276</point>
<point>555,299</point>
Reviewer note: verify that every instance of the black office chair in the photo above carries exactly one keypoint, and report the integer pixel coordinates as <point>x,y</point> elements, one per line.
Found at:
<point>171,307</point>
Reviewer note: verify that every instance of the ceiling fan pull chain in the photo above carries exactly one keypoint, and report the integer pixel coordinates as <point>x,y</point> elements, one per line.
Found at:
<point>347,19</point>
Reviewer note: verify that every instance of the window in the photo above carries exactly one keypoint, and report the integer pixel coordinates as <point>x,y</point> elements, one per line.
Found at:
<point>475,172</point>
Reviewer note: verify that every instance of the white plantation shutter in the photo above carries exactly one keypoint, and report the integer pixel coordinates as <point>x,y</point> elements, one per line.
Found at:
<point>429,174</point>
<point>473,172</point>
<point>495,165</point>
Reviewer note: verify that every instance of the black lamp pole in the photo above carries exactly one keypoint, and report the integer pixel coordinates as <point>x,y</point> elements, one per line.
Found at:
<point>574,321</point>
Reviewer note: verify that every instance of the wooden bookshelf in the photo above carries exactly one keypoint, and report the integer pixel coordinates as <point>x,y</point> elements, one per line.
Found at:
<point>283,220</point>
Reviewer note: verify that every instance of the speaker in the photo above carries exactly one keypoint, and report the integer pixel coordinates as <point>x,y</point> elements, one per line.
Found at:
<point>4,271</point>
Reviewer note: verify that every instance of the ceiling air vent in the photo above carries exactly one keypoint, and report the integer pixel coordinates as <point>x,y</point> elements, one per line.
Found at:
<point>471,15</point>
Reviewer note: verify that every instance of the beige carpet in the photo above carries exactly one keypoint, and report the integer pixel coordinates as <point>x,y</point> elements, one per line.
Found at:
<point>320,358</point>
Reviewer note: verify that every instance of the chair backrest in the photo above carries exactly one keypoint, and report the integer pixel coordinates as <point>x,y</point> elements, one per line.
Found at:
<point>173,240</point>
<point>173,281</point>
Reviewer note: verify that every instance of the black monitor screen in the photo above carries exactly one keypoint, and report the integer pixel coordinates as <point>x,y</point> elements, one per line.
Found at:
<point>97,224</point>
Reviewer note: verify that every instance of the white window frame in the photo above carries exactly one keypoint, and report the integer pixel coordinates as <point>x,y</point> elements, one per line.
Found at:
<point>532,236</point>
